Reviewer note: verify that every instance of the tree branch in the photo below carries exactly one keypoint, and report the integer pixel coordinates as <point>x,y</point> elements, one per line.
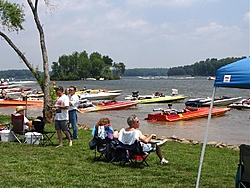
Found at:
<point>21,55</point>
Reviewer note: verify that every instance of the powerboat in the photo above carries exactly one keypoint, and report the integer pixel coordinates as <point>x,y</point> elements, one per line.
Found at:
<point>155,98</point>
<point>185,114</point>
<point>218,101</point>
<point>109,105</point>
<point>98,95</point>
<point>20,102</point>
<point>243,104</point>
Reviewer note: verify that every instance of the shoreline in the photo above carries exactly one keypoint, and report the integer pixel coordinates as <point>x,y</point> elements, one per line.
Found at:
<point>172,138</point>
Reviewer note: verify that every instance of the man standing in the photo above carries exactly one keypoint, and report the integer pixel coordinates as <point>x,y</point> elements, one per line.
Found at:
<point>73,105</point>
<point>61,115</point>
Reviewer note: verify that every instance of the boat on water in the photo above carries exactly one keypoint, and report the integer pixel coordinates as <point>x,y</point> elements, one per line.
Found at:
<point>243,104</point>
<point>184,114</point>
<point>98,96</point>
<point>218,101</point>
<point>155,98</point>
<point>109,105</point>
<point>97,91</point>
<point>19,102</point>
<point>211,78</point>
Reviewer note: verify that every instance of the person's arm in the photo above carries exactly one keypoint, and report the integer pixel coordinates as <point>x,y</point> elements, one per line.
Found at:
<point>145,139</point>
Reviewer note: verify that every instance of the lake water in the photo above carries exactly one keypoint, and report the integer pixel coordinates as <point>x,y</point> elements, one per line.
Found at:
<point>232,128</point>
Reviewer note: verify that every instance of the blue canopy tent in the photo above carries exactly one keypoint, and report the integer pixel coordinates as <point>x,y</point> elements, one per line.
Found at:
<point>234,75</point>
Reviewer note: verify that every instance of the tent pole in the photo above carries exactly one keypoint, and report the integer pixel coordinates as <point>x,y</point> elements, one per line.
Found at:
<point>205,139</point>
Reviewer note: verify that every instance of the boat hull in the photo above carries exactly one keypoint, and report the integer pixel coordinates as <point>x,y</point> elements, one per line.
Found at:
<point>188,115</point>
<point>99,96</point>
<point>111,105</point>
<point>165,99</point>
<point>21,103</point>
<point>199,102</point>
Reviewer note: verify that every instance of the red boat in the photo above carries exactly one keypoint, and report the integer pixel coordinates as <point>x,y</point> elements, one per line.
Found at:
<point>185,114</point>
<point>110,105</point>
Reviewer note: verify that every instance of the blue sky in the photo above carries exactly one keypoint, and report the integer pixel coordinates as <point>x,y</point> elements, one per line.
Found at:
<point>139,33</point>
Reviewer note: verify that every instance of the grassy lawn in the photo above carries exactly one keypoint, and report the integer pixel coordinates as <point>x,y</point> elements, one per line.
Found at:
<point>24,165</point>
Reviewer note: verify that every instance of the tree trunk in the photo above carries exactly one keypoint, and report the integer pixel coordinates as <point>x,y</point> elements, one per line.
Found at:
<point>46,84</point>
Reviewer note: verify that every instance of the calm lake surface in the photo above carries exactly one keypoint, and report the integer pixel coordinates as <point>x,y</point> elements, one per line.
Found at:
<point>232,128</point>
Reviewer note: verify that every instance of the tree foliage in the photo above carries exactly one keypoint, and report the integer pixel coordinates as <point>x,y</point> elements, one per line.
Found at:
<point>202,68</point>
<point>81,66</point>
<point>12,16</point>
<point>146,72</point>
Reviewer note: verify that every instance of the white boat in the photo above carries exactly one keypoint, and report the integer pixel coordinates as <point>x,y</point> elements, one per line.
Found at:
<point>218,101</point>
<point>211,78</point>
<point>98,96</point>
<point>243,104</point>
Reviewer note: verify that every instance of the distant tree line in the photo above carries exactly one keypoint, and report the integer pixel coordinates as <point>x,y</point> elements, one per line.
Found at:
<point>16,74</point>
<point>81,66</point>
<point>146,72</point>
<point>202,68</point>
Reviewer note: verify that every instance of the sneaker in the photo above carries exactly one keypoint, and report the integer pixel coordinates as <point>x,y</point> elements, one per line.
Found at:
<point>162,142</point>
<point>164,161</point>
<point>70,143</point>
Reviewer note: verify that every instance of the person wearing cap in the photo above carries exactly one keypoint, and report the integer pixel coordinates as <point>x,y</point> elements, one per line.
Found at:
<point>61,115</point>
<point>73,110</point>
<point>20,111</point>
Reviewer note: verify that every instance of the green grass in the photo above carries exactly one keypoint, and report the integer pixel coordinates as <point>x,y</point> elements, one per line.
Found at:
<point>24,165</point>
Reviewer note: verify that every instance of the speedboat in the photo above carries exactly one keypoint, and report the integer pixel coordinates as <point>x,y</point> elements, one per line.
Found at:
<point>97,91</point>
<point>218,101</point>
<point>155,98</point>
<point>98,96</point>
<point>20,102</point>
<point>184,114</point>
<point>109,105</point>
<point>243,104</point>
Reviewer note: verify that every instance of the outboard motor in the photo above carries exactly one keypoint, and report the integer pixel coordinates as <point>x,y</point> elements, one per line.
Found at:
<point>135,94</point>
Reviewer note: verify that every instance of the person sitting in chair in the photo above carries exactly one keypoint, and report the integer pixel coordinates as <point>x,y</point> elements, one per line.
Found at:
<point>104,131</point>
<point>130,134</point>
<point>20,111</point>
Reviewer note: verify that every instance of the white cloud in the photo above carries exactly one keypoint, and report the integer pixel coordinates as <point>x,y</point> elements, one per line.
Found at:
<point>247,16</point>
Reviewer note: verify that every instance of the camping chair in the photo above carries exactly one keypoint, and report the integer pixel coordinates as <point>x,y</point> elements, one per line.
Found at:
<point>39,127</point>
<point>101,144</point>
<point>243,173</point>
<point>17,122</point>
<point>135,154</point>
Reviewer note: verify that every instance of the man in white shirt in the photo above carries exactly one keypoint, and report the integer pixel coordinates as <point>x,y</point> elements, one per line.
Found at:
<point>73,110</point>
<point>61,115</point>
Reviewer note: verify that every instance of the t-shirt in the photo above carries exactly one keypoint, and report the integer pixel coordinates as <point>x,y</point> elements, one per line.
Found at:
<point>74,99</point>
<point>62,114</point>
<point>128,137</point>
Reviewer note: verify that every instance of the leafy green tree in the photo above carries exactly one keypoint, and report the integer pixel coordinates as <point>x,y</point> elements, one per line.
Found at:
<point>97,64</point>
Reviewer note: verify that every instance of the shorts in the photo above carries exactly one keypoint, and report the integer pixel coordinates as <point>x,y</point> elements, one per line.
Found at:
<point>61,125</point>
<point>148,148</point>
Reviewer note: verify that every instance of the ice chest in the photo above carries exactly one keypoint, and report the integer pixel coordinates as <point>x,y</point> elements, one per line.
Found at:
<point>6,136</point>
<point>33,137</point>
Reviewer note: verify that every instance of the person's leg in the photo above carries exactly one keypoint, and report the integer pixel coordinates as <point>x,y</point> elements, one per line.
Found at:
<point>74,124</point>
<point>59,133</point>
<point>70,122</point>
<point>158,152</point>
<point>64,126</point>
